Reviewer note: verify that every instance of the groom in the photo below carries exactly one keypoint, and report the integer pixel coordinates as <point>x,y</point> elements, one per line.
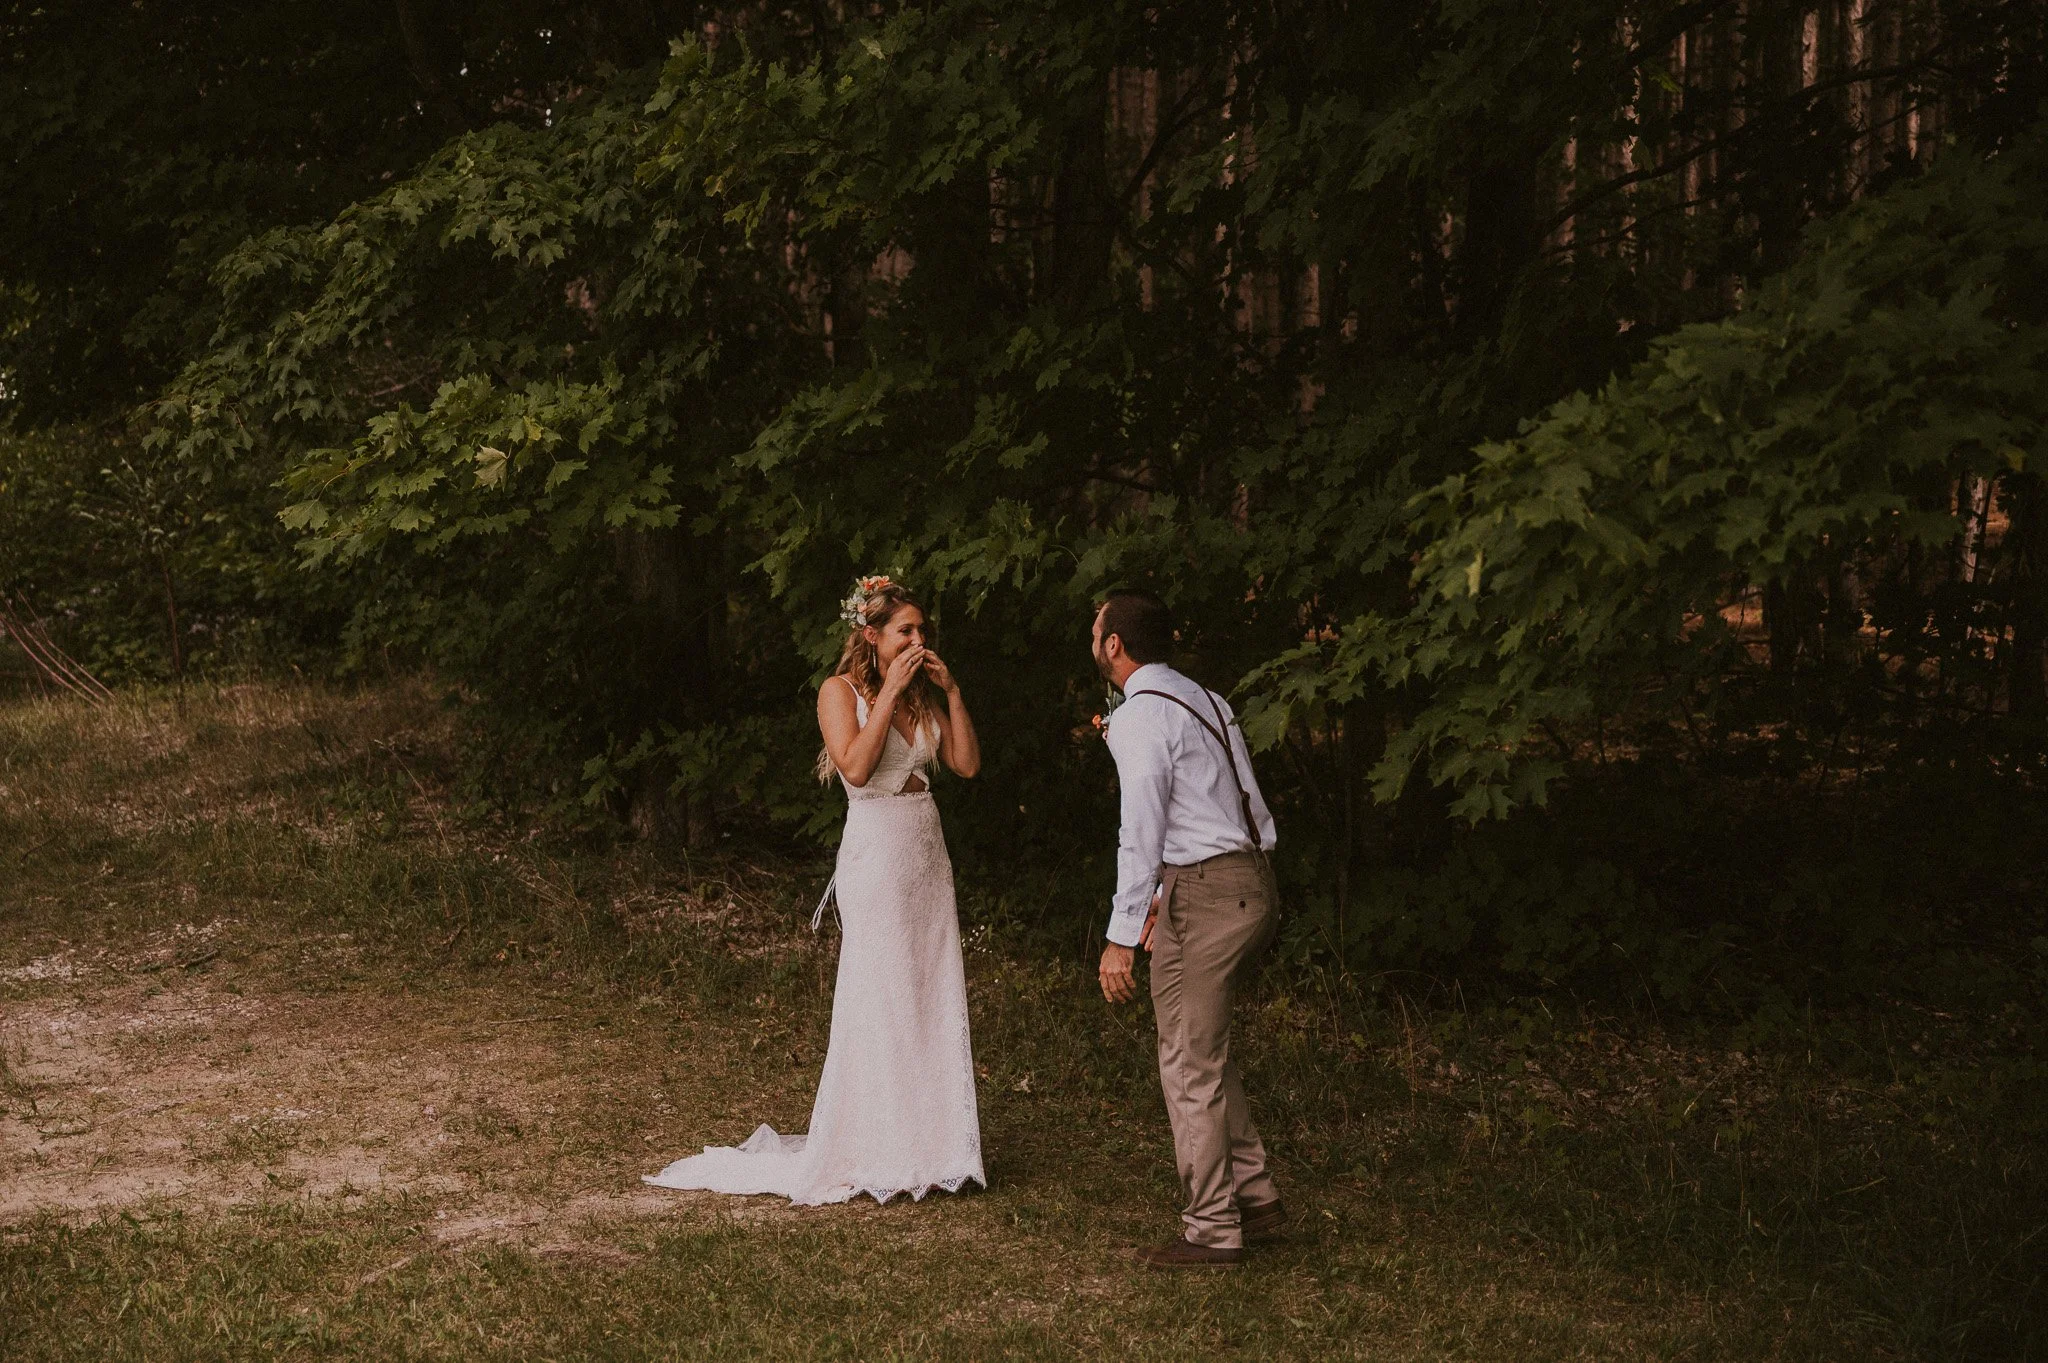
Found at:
<point>1196,828</point>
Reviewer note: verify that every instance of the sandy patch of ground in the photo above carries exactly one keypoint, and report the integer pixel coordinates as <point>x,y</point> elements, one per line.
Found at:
<point>182,1074</point>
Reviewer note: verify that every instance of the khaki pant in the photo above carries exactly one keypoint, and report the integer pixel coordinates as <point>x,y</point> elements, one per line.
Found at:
<point>1215,918</point>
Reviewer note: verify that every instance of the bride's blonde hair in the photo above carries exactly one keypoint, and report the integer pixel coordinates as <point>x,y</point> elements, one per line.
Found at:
<point>861,665</point>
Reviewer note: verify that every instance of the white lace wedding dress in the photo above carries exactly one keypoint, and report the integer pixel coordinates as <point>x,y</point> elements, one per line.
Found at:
<point>895,1111</point>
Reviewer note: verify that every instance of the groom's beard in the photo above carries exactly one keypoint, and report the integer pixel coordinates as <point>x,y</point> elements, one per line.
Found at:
<point>1102,666</point>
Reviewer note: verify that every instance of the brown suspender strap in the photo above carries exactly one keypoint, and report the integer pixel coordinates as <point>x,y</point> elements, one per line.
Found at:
<point>1218,732</point>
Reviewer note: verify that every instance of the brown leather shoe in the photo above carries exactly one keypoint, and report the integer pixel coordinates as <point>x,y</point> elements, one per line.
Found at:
<point>1262,1220</point>
<point>1186,1254</point>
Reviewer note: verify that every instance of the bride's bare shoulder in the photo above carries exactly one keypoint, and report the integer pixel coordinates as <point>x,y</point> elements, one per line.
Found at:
<point>836,697</point>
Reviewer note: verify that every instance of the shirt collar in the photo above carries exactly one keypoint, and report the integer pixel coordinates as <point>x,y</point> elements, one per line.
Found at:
<point>1148,674</point>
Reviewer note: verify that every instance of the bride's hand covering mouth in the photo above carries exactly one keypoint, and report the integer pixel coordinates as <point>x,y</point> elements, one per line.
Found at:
<point>904,670</point>
<point>941,675</point>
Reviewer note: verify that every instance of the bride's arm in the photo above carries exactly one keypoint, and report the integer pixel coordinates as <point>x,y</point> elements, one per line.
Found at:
<point>959,748</point>
<point>856,750</point>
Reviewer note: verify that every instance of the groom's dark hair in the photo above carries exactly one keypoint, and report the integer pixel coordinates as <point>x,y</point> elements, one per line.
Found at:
<point>1142,621</point>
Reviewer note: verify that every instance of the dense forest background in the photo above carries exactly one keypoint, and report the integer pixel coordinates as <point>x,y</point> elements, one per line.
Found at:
<point>1598,444</point>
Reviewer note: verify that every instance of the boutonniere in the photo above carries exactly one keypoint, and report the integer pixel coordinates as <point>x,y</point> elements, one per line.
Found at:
<point>1111,698</point>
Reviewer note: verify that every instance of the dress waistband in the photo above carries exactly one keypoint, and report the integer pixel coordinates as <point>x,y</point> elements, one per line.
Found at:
<point>853,799</point>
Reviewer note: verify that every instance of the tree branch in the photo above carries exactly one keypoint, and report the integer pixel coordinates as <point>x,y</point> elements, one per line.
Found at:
<point>416,55</point>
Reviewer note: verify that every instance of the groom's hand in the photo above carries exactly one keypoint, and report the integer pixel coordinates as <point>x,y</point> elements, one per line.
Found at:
<point>1151,920</point>
<point>1119,980</point>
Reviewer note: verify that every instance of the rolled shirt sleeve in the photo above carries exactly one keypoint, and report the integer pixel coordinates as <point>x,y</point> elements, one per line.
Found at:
<point>1144,769</point>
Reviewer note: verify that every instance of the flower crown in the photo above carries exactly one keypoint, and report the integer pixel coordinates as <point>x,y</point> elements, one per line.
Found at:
<point>854,609</point>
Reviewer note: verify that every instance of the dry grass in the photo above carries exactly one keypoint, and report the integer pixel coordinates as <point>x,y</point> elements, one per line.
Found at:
<point>295,1061</point>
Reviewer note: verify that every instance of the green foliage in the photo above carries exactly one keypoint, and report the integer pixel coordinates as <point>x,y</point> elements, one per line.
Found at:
<point>590,382</point>
<point>124,552</point>
<point>144,141</point>
<point>1585,568</point>
<point>1707,890</point>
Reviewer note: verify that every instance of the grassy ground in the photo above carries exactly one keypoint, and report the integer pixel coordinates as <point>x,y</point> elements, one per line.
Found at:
<point>295,1062</point>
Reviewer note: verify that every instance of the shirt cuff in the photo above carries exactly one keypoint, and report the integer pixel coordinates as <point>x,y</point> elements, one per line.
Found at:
<point>1125,930</point>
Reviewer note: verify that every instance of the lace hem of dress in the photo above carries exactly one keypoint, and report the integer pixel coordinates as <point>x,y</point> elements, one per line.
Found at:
<point>917,1194</point>
<point>882,1196</point>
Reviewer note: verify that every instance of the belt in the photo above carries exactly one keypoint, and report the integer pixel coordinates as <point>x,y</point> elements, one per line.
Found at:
<point>1220,859</point>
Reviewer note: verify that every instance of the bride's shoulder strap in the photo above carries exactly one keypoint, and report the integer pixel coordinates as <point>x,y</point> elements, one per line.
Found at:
<point>860,702</point>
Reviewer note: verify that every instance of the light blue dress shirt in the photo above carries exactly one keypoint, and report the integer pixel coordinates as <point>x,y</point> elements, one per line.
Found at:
<point>1179,802</point>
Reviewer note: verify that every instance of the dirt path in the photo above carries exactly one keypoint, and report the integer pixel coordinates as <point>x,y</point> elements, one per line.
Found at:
<point>189,1071</point>
<point>182,1024</point>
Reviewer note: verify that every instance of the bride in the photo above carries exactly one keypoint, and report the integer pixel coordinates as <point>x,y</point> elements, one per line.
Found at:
<point>895,1111</point>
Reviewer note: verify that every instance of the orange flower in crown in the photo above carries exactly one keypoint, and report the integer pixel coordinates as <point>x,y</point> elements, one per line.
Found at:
<point>854,609</point>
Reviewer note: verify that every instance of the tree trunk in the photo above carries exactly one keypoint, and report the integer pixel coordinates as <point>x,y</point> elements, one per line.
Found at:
<point>2027,576</point>
<point>171,610</point>
<point>676,584</point>
<point>1500,239</point>
<point>1842,616</point>
<point>1792,622</point>
<point>846,314</point>
<point>1362,741</point>
<point>1083,215</point>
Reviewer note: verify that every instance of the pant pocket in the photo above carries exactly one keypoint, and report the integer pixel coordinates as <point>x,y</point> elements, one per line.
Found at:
<point>1242,887</point>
